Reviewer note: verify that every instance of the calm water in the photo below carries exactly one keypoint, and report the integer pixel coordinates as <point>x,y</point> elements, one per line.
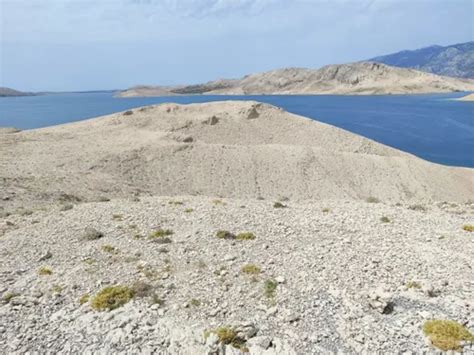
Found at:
<point>429,126</point>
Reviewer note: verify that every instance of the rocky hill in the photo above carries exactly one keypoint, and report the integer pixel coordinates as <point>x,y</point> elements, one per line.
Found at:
<point>7,92</point>
<point>346,79</point>
<point>456,60</point>
<point>227,228</point>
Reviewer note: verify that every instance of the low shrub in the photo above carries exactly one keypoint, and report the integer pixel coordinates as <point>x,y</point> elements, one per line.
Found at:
<point>446,334</point>
<point>112,297</point>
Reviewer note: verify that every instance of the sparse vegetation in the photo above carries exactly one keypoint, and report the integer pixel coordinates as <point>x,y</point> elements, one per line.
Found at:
<point>385,219</point>
<point>112,297</point>
<point>218,202</point>
<point>45,271</point>
<point>245,236</point>
<point>413,284</point>
<point>160,233</point>
<point>188,210</point>
<point>138,236</point>
<point>8,296</point>
<point>326,210</point>
<point>222,234</point>
<point>109,249</point>
<point>420,208</point>
<point>279,205</point>
<point>84,299</point>
<point>251,269</point>
<point>446,334</point>
<point>161,236</point>
<point>117,217</point>
<point>468,227</point>
<point>57,289</point>
<point>176,203</point>
<point>194,302</point>
<point>372,199</point>
<point>269,288</point>
<point>228,336</point>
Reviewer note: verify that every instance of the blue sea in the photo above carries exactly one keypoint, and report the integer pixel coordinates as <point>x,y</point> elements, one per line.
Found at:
<point>432,127</point>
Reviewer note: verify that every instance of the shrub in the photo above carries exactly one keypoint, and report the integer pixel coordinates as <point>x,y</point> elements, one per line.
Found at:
<point>128,113</point>
<point>109,249</point>
<point>446,334</point>
<point>45,271</point>
<point>160,233</point>
<point>245,236</point>
<point>385,219</point>
<point>468,227</point>
<point>251,269</point>
<point>117,217</point>
<point>279,205</point>
<point>188,210</point>
<point>194,302</point>
<point>176,203</point>
<point>269,288</point>
<point>372,199</point>
<point>112,297</point>
<point>225,235</point>
<point>229,336</point>
<point>326,210</point>
<point>420,208</point>
<point>413,284</point>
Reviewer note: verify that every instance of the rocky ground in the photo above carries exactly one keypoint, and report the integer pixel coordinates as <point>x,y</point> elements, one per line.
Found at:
<point>325,276</point>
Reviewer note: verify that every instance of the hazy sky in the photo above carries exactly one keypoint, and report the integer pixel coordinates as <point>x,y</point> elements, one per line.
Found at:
<point>109,44</point>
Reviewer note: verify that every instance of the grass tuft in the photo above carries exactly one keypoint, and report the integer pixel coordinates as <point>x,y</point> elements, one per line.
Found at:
<point>225,235</point>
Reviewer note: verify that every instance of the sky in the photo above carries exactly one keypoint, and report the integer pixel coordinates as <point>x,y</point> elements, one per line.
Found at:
<point>67,45</point>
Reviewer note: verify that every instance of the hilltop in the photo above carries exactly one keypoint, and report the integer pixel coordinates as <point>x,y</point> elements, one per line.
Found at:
<point>346,79</point>
<point>455,60</point>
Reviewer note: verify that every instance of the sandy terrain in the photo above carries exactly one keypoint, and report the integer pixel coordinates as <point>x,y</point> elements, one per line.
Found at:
<point>361,78</point>
<point>357,255</point>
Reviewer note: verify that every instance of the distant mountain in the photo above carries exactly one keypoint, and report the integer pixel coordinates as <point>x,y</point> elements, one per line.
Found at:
<point>362,78</point>
<point>456,60</point>
<point>7,92</point>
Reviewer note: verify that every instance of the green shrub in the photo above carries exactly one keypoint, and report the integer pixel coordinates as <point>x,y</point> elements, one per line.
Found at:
<point>279,205</point>
<point>269,288</point>
<point>245,236</point>
<point>385,219</point>
<point>251,269</point>
<point>112,297</point>
<point>225,235</point>
<point>109,249</point>
<point>446,334</point>
<point>229,336</point>
<point>160,233</point>
<point>414,284</point>
<point>45,271</point>
<point>194,302</point>
<point>188,210</point>
<point>468,227</point>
